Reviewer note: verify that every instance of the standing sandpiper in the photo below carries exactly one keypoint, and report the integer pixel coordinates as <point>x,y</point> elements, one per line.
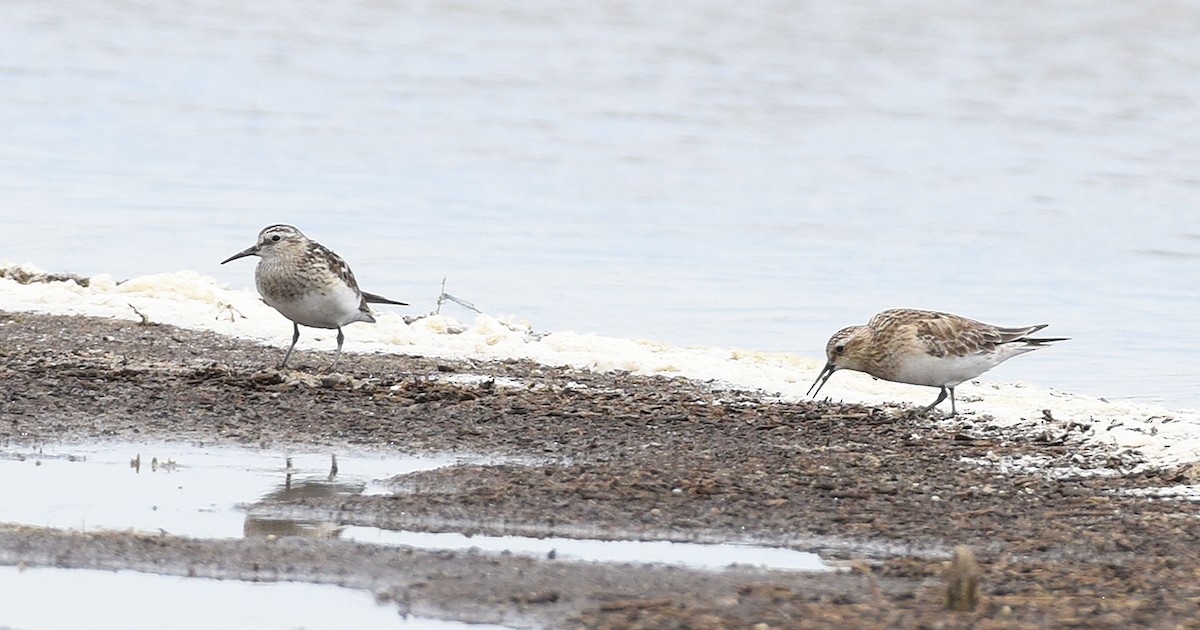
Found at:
<point>308,284</point>
<point>925,348</point>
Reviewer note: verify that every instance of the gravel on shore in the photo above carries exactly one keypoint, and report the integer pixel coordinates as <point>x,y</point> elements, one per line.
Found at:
<point>880,492</point>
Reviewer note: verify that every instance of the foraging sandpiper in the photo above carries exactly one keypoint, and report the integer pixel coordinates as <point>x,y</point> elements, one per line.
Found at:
<point>926,348</point>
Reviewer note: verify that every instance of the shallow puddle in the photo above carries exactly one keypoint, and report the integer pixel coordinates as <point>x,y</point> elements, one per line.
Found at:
<point>33,598</point>
<point>223,492</point>
<point>176,488</point>
<point>694,555</point>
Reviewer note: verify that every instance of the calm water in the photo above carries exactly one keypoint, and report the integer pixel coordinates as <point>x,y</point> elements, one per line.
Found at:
<point>61,599</point>
<point>754,174</point>
<point>225,492</point>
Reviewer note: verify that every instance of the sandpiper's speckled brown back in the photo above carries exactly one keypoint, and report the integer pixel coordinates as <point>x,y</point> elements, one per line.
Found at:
<point>944,334</point>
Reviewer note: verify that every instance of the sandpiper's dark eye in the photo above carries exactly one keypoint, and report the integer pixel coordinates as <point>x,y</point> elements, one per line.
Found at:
<point>839,348</point>
<point>275,238</point>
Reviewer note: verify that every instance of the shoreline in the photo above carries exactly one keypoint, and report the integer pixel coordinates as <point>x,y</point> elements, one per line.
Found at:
<point>1160,436</point>
<point>637,456</point>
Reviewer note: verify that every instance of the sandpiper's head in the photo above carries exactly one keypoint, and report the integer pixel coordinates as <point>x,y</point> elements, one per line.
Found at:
<point>272,239</point>
<point>842,352</point>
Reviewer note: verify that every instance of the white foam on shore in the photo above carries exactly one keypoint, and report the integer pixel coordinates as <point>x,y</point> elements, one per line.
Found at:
<point>1161,436</point>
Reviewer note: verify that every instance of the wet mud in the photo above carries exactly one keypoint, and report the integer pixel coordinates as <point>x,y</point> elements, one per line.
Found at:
<point>882,493</point>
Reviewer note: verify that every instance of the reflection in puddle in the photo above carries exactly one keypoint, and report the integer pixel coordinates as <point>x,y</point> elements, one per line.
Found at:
<point>54,599</point>
<point>695,555</point>
<point>204,492</point>
<point>113,486</point>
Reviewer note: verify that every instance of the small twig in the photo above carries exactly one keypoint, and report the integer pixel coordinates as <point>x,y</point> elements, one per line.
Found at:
<point>462,302</point>
<point>444,297</point>
<point>228,309</point>
<point>145,320</point>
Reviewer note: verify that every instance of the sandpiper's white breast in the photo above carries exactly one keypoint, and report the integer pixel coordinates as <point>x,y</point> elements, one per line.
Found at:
<point>319,302</point>
<point>923,369</point>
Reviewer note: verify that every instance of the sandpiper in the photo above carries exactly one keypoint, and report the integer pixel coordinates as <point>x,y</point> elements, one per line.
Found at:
<point>308,284</point>
<point>926,348</point>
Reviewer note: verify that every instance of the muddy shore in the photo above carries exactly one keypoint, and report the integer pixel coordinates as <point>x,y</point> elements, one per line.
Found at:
<point>881,492</point>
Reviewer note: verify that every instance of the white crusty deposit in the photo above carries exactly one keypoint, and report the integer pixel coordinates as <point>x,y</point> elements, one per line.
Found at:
<point>187,299</point>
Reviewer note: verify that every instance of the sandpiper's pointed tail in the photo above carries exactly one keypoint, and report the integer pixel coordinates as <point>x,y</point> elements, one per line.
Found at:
<point>1010,334</point>
<point>1034,341</point>
<point>1020,335</point>
<point>371,298</point>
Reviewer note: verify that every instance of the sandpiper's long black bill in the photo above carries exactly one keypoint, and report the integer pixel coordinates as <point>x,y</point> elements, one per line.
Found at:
<point>822,378</point>
<point>249,251</point>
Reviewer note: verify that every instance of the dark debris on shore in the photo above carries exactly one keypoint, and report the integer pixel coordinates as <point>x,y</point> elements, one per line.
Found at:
<point>881,490</point>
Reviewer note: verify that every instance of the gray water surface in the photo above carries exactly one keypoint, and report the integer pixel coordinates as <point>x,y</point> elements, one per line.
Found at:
<point>754,174</point>
<point>61,599</point>
<point>226,492</point>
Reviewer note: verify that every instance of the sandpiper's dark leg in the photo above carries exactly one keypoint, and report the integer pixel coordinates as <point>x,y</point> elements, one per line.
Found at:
<point>337,357</point>
<point>941,396</point>
<point>953,411</point>
<point>295,338</point>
